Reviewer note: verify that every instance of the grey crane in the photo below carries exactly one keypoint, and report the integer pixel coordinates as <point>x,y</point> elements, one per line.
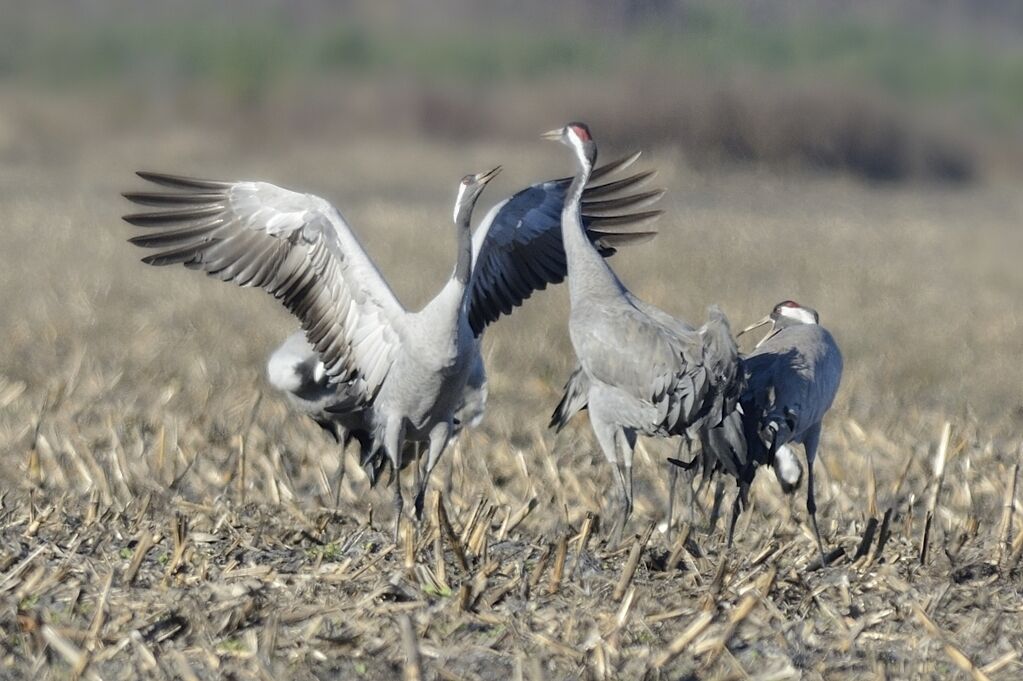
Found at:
<point>378,373</point>
<point>641,372</point>
<point>792,377</point>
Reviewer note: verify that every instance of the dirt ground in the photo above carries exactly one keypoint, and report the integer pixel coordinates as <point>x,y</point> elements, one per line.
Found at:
<point>162,515</point>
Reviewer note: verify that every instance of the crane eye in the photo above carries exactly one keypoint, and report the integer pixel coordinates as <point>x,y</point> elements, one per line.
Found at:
<point>467,180</point>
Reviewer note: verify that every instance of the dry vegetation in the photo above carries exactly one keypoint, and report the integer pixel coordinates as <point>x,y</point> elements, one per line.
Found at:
<point>163,516</point>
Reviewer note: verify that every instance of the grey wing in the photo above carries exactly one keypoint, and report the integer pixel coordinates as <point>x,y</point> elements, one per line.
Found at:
<point>794,374</point>
<point>575,399</point>
<point>295,246</point>
<point>658,315</point>
<point>828,371</point>
<point>817,385</point>
<point>682,375</point>
<point>517,249</point>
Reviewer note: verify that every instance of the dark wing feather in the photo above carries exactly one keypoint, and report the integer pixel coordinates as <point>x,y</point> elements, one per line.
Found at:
<point>518,249</point>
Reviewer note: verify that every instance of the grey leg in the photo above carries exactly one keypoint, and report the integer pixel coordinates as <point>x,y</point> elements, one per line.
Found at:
<point>627,443</point>
<point>810,442</point>
<point>715,509</point>
<point>736,507</point>
<point>340,475</point>
<point>672,481</point>
<point>607,435</point>
<point>418,472</point>
<point>439,437</point>
<point>394,437</point>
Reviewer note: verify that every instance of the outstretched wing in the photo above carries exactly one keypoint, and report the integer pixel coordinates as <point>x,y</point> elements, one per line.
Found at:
<point>295,246</point>
<point>517,249</point>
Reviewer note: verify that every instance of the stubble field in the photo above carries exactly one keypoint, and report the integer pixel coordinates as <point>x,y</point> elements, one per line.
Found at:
<point>162,515</point>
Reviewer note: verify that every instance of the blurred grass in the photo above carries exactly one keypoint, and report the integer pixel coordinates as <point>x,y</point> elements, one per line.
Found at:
<point>250,54</point>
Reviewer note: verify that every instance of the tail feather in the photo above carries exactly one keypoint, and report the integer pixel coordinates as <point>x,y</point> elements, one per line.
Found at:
<point>575,399</point>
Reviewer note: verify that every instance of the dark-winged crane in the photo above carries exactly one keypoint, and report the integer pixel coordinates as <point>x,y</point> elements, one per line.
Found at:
<point>641,372</point>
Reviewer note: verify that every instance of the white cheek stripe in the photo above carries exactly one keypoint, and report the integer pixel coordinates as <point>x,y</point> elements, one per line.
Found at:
<point>799,314</point>
<point>458,201</point>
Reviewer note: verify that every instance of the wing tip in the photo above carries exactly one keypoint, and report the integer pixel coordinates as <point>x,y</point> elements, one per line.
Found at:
<point>181,181</point>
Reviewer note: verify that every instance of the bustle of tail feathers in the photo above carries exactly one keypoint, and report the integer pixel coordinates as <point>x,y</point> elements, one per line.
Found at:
<point>722,432</point>
<point>723,448</point>
<point>574,400</point>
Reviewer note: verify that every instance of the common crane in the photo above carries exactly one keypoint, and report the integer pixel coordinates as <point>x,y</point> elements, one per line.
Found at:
<point>641,371</point>
<point>792,377</point>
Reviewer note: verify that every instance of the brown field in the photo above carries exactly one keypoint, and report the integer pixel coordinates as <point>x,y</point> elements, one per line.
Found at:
<point>163,516</point>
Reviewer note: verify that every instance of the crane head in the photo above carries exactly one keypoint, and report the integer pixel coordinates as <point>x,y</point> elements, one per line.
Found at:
<point>790,309</point>
<point>786,313</point>
<point>469,190</point>
<point>577,136</point>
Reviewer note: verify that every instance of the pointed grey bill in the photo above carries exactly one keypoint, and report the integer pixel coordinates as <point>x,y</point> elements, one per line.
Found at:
<point>757,325</point>
<point>489,175</point>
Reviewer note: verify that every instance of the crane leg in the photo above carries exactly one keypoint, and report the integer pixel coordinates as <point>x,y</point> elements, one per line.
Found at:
<point>672,482</point>
<point>738,504</point>
<point>439,437</point>
<point>394,436</point>
<point>690,473</point>
<point>607,434</point>
<point>417,479</point>
<point>399,505</point>
<point>715,509</point>
<point>627,442</point>
<point>736,509</point>
<point>623,500</point>
<point>340,473</point>
<point>810,442</point>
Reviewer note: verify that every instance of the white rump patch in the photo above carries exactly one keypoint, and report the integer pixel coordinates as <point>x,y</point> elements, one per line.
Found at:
<point>786,466</point>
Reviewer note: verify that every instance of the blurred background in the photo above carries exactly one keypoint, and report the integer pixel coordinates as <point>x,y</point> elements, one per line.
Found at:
<point>863,158</point>
<point>884,91</point>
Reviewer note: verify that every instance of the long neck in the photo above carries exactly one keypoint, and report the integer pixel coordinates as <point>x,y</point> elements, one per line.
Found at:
<point>463,266</point>
<point>450,302</point>
<point>588,274</point>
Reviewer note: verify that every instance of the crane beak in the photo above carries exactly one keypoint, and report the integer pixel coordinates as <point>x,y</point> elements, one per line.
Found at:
<point>488,176</point>
<point>762,322</point>
<point>765,320</point>
<point>552,134</point>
